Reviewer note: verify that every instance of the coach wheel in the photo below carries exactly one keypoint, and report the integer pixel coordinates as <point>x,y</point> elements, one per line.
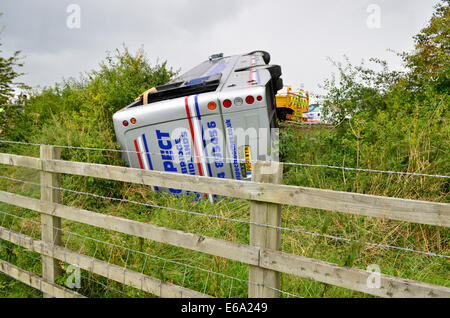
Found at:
<point>282,113</point>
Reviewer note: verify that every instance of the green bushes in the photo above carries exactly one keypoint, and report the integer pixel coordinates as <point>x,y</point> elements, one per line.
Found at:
<point>399,121</point>
<point>78,112</point>
<point>387,120</point>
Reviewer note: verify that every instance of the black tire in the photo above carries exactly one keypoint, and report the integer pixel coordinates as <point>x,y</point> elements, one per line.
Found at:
<point>279,84</point>
<point>266,56</point>
<point>283,112</point>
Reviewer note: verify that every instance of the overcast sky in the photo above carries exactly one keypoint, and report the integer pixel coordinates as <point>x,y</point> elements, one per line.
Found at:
<point>299,35</point>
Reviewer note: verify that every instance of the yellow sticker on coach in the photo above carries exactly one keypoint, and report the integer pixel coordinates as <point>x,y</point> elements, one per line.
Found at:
<point>248,162</point>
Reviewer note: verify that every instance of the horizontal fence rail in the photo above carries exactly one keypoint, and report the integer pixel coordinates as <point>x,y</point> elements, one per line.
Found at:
<point>36,281</point>
<point>234,251</point>
<point>282,262</point>
<point>111,271</point>
<point>416,211</point>
<point>236,220</point>
<point>264,259</point>
<point>402,173</point>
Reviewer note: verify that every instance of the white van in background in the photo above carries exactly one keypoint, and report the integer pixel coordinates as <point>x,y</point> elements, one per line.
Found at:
<point>315,115</point>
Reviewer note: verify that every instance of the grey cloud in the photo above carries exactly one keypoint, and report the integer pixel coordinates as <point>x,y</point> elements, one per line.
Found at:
<point>300,35</point>
<point>38,26</point>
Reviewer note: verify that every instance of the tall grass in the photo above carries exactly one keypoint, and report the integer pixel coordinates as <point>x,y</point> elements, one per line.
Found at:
<point>398,122</point>
<point>399,263</point>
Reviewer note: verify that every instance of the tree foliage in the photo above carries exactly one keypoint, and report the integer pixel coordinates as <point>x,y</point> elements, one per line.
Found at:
<point>386,120</point>
<point>78,112</point>
<point>398,120</point>
<point>81,109</point>
<point>8,85</point>
<point>8,75</point>
<point>429,64</point>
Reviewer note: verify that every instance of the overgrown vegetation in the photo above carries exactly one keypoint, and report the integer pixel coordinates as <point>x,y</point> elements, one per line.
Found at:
<point>399,121</point>
<point>8,84</point>
<point>388,120</point>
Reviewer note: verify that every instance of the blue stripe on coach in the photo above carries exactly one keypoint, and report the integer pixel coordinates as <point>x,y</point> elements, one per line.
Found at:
<point>203,135</point>
<point>148,155</point>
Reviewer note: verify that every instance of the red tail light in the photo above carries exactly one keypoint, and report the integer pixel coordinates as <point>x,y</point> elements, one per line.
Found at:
<point>249,100</point>
<point>125,123</point>
<point>259,98</point>
<point>227,103</point>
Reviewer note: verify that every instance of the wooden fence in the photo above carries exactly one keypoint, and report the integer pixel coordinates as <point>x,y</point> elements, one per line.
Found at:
<point>263,255</point>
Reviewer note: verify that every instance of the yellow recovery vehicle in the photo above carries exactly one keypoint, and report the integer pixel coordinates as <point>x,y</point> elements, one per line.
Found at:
<point>291,105</point>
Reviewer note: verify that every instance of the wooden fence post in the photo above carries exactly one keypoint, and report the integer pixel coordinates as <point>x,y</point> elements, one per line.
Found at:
<point>51,225</point>
<point>261,236</point>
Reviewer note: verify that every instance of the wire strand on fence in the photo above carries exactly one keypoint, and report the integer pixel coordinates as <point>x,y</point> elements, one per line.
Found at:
<point>159,258</point>
<point>240,160</point>
<point>107,287</point>
<point>337,238</point>
<point>22,253</point>
<point>88,277</point>
<point>38,259</point>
